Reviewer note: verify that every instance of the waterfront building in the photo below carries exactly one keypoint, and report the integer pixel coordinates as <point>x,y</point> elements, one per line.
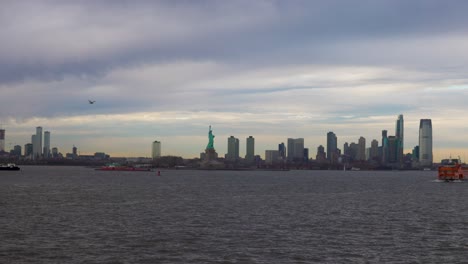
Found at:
<point>37,143</point>
<point>295,149</point>
<point>55,152</point>
<point>306,154</point>
<point>282,150</point>
<point>156,149</point>
<point>28,150</point>
<point>384,147</point>
<point>250,149</point>
<point>321,155</point>
<point>399,133</point>
<point>2,139</point>
<point>392,149</point>
<point>16,150</point>
<point>361,151</point>
<point>272,157</point>
<point>353,150</point>
<point>374,150</point>
<point>332,145</point>
<point>425,142</point>
<point>233,149</point>
<point>46,150</point>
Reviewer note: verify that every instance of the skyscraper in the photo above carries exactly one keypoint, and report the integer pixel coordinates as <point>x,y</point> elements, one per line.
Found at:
<point>156,149</point>
<point>28,150</point>
<point>282,150</point>
<point>233,149</point>
<point>2,139</point>
<point>425,142</point>
<point>392,149</point>
<point>384,147</point>
<point>46,151</point>
<point>399,129</point>
<point>250,149</point>
<point>374,150</point>
<point>361,154</point>
<point>295,149</point>
<point>37,143</point>
<point>332,145</point>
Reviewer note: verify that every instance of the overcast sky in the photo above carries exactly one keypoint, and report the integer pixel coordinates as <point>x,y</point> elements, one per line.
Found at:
<point>166,70</point>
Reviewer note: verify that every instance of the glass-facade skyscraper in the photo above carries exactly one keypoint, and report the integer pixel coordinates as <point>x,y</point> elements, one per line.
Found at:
<point>250,148</point>
<point>399,135</point>
<point>332,145</point>
<point>233,149</point>
<point>425,142</point>
<point>295,149</point>
<point>156,149</point>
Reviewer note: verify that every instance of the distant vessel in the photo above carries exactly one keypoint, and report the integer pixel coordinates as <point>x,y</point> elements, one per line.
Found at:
<point>450,170</point>
<point>9,167</point>
<point>118,167</point>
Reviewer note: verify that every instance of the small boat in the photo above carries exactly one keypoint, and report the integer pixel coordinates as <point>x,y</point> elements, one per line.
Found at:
<point>9,167</point>
<point>118,167</point>
<point>450,170</point>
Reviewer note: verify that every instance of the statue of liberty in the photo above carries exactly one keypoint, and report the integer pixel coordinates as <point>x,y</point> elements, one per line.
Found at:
<point>210,139</point>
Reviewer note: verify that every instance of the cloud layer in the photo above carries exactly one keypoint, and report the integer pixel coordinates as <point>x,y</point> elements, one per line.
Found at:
<point>165,70</point>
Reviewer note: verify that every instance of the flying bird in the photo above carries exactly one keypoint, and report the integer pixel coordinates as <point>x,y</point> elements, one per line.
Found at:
<point>91,102</point>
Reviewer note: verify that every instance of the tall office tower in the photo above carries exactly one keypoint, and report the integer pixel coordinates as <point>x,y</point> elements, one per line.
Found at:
<point>415,153</point>
<point>2,139</point>
<point>392,149</point>
<point>250,149</point>
<point>156,149</point>
<point>399,129</point>
<point>233,149</point>
<point>306,154</point>
<point>46,151</point>
<point>384,147</point>
<point>34,146</point>
<point>361,154</point>
<point>74,151</point>
<point>295,149</point>
<point>28,150</point>
<point>37,143</point>
<point>282,150</point>
<point>374,150</point>
<point>425,142</point>
<point>332,145</point>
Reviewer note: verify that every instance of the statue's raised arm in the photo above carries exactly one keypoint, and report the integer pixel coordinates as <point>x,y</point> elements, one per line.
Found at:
<point>210,139</point>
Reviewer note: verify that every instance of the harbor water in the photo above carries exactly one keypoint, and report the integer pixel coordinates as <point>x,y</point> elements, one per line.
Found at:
<point>79,215</point>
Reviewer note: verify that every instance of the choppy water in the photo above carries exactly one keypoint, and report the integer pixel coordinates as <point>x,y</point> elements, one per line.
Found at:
<point>78,215</point>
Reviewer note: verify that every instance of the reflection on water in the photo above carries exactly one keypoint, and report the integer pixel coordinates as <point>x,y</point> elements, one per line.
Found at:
<point>78,215</point>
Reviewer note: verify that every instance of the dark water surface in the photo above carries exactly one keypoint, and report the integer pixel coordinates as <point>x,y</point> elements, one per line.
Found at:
<point>78,215</point>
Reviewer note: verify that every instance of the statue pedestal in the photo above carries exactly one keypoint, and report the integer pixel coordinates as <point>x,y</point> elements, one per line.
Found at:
<point>210,154</point>
<point>210,162</point>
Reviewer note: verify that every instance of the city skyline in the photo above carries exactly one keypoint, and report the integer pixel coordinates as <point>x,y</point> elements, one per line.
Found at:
<point>296,149</point>
<point>274,70</point>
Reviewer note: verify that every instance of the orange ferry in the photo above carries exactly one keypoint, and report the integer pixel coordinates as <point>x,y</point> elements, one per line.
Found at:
<point>451,170</point>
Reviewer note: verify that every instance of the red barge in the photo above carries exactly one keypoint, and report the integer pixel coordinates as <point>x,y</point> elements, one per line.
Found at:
<point>451,170</point>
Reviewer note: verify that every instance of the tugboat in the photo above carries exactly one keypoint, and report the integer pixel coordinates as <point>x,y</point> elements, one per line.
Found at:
<point>9,167</point>
<point>451,170</point>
